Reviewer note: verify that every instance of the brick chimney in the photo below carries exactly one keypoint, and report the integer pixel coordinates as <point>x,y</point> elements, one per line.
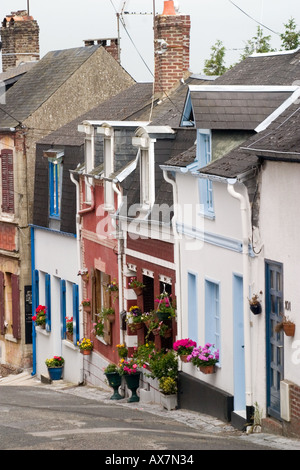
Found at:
<point>111,45</point>
<point>171,48</point>
<point>20,39</point>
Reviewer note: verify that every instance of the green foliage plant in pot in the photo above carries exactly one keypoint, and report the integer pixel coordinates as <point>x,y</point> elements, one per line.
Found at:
<point>114,379</point>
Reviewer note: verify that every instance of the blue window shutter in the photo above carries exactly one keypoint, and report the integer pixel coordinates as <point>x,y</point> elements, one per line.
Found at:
<point>35,290</point>
<point>212,313</point>
<point>48,301</point>
<point>76,325</point>
<point>192,307</point>
<point>205,186</point>
<point>63,308</point>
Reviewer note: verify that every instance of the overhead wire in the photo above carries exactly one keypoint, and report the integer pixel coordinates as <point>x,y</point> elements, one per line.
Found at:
<point>251,17</point>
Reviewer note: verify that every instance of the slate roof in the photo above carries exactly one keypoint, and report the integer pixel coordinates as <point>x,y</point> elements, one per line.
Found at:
<point>279,142</point>
<point>234,107</point>
<point>118,108</point>
<point>276,68</point>
<point>40,82</point>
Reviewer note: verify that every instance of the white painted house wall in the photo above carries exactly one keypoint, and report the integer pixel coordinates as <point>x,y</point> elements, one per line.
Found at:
<point>56,254</point>
<point>279,230</point>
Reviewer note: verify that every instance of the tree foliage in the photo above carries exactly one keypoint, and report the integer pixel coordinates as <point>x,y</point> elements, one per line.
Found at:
<point>216,64</point>
<point>290,39</point>
<point>258,43</point>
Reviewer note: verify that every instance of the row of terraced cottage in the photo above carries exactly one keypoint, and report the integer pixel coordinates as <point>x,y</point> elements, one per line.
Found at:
<point>188,186</point>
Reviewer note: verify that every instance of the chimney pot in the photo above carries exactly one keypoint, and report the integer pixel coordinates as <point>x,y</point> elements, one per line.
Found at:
<point>169,9</point>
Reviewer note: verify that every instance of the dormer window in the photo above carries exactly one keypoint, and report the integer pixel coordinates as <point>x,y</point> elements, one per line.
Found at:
<point>147,180</point>
<point>55,163</point>
<point>108,160</point>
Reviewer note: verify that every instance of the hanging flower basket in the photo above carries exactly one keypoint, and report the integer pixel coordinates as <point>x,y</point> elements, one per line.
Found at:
<point>289,328</point>
<point>136,285</point>
<point>255,308</point>
<point>255,304</point>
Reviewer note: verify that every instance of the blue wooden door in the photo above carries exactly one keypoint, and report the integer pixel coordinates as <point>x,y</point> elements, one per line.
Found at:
<point>238,345</point>
<point>274,340</point>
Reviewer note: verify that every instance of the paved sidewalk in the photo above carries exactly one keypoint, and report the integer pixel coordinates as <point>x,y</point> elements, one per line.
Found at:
<point>203,423</point>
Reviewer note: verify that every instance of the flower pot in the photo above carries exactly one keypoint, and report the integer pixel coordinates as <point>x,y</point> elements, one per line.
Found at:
<point>69,336</point>
<point>87,309</point>
<point>114,380</point>
<point>207,369</point>
<point>85,352</point>
<point>168,333</point>
<point>111,317</point>
<point>256,309</point>
<point>133,382</point>
<point>183,357</point>
<point>138,290</point>
<point>85,277</point>
<point>136,326</point>
<point>55,373</point>
<point>163,316</point>
<point>289,329</point>
<point>169,402</point>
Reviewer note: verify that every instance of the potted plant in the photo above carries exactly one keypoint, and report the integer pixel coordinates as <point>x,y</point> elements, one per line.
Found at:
<point>108,313</point>
<point>165,310</point>
<point>168,389</point>
<point>99,327</point>
<point>143,353</point>
<point>122,350</point>
<point>136,285</point>
<point>134,318</point>
<point>84,273</point>
<point>160,328</point>
<point>163,364</point>
<point>184,347</point>
<point>287,325</point>
<point>85,346</point>
<point>114,379</point>
<point>205,358</point>
<point>69,328</point>
<point>113,288</point>
<point>40,317</point>
<point>86,304</point>
<point>255,304</point>
<point>132,377</point>
<point>55,367</point>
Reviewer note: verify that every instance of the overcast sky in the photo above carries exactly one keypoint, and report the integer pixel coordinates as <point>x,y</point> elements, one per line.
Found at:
<point>66,23</point>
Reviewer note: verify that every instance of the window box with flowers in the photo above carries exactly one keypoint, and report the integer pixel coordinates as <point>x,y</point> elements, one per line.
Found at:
<point>205,358</point>
<point>136,285</point>
<point>86,305</point>
<point>85,345</point>
<point>184,347</point>
<point>40,317</point>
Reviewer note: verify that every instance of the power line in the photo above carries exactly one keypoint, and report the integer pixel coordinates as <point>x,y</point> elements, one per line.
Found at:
<point>258,22</point>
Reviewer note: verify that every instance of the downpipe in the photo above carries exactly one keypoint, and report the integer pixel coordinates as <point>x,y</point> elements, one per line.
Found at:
<point>246,276</point>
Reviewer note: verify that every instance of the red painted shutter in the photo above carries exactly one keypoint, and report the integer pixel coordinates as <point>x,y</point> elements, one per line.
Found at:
<point>1,303</point>
<point>16,306</point>
<point>7,180</point>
